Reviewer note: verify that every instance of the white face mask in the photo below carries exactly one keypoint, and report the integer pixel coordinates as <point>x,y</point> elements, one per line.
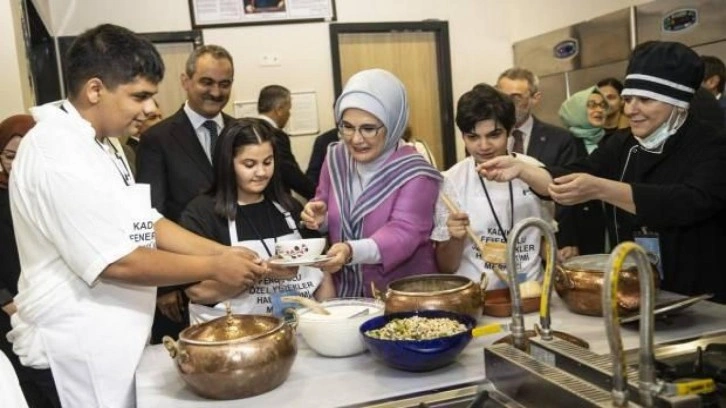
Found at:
<point>656,140</point>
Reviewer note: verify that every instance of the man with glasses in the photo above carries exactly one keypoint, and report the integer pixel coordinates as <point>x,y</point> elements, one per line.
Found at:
<point>549,144</point>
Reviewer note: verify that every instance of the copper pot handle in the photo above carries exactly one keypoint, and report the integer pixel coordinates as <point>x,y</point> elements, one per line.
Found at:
<point>377,294</point>
<point>561,277</point>
<point>170,346</point>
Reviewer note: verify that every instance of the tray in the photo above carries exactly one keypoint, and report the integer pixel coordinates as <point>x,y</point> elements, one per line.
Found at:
<point>668,308</point>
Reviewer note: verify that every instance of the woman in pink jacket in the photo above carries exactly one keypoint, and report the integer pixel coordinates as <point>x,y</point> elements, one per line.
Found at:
<point>376,196</point>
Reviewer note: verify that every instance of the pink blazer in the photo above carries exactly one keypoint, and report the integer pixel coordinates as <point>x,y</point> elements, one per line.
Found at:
<point>401,226</point>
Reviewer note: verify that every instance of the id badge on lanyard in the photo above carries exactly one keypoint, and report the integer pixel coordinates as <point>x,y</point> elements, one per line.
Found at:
<point>650,241</point>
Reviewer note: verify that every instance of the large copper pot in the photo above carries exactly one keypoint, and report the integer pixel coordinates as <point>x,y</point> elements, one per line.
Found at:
<point>454,293</point>
<point>579,282</point>
<point>236,356</point>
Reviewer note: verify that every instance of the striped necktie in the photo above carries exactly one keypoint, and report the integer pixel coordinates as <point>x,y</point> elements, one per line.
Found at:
<point>211,126</point>
<point>518,136</point>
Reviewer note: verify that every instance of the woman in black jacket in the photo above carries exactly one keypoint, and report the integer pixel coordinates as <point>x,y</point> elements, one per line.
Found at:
<point>664,181</point>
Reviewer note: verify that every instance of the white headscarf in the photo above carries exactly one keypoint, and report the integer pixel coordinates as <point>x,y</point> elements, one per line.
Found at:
<point>381,94</point>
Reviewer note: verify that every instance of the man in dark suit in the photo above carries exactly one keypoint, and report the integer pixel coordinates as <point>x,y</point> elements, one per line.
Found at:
<point>552,145</point>
<point>273,105</point>
<point>320,150</point>
<point>702,104</point>
<point>175,158</point>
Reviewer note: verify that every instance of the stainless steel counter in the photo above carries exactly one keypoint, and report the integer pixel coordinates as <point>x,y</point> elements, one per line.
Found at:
<point>317,381</point>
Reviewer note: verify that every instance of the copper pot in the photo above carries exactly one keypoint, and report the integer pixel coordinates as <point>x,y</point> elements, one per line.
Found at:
<point>454,293</point>
<point>236,356</point>
<point>579,280</point>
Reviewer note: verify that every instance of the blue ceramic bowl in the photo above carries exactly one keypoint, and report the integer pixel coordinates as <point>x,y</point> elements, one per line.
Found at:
<point>418,355</point>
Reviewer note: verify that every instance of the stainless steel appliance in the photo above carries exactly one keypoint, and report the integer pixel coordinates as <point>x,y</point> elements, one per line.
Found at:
<point>576,57</point>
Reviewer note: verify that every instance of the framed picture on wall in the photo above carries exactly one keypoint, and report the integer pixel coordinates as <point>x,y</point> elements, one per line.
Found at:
<point>227,13</point>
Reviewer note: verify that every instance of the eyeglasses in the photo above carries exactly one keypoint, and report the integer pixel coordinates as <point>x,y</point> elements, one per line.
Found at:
<point>367,131</point>
<point>592,105</point>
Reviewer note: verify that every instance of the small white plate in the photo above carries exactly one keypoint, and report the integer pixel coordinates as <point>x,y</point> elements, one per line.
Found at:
<point>299,262</point>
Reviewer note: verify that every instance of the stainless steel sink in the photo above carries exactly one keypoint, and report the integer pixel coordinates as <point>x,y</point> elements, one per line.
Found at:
<point>461,396</point>
<point>676,348</point>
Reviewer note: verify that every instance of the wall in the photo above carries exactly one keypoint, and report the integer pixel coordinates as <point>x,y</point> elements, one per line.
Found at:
<point>481,33</point>
<point>14,86</point>
<point>476,31</point>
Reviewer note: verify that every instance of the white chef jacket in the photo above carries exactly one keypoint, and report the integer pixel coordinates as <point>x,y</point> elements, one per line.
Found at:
<point>75,211</point>
<point>12,394</point>
<point>462,184</point>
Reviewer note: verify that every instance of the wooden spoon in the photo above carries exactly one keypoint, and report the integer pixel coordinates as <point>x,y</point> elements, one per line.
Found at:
<point>472,236</point>
<point>311,304</point>
<point>526,289</point>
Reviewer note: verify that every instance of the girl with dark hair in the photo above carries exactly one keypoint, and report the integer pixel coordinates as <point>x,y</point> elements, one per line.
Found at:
<point>247,206</point>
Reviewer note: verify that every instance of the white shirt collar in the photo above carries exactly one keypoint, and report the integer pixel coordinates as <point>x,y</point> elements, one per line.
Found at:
<point>197,120</point>
<point>526,127</point>
<point>526,130</point>
<point>268,120</point>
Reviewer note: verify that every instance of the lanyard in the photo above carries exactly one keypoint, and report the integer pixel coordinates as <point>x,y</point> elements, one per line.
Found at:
<point>494,213</point>
<point>257,232</point>
<point>116,158</point>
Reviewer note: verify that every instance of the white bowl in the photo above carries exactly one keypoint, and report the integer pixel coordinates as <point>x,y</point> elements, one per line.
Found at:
<point>300,249</point>
<point>337,335</point>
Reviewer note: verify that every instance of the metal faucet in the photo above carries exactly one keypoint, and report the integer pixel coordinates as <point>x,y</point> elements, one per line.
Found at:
<point>646,374</point>
<point>517,328</point>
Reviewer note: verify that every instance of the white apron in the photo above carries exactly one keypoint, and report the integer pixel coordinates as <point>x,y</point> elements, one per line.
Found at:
<point>482,222</point>
<point>94,342</point>
<point>258,298</point>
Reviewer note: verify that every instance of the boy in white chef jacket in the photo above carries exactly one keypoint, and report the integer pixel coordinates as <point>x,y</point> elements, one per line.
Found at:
<point>486,117</point>
<point>87,235</point>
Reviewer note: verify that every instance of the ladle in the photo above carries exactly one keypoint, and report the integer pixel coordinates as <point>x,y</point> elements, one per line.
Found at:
<point>311,304</point>
<point>317,307</point>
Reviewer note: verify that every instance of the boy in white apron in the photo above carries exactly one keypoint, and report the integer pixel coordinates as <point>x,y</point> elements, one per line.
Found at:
<point>485,117</point>
<point>247,207</point>
<point>87,235</point>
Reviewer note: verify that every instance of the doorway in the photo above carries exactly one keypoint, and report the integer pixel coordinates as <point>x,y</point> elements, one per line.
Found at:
<point>418,54</point>
<point>174,48</point>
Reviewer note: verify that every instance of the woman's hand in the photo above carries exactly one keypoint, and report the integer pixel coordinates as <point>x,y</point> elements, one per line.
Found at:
<point>575,188</point>
<point>339,253</point>
<point>500,168</point>
<point>313,215</point>
<point>456,224</point>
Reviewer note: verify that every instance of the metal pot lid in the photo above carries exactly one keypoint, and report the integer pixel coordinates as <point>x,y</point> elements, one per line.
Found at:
<point>231,328</point>
<point>593,263</point>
